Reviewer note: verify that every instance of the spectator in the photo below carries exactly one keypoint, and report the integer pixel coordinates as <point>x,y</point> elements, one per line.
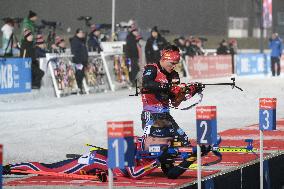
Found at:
<point>40,49</point>
<point>154,45</point>
<point>94,43</point>
<point>180,43</point>
<point>29,23</point>
<point>28,50</point>
<point>275,44</point>
<point>7,37</point>
<point>139,47</point>
<point>233,48</point>
<point>132,54</point>
<point>59,46</point>
<point>80,58</point>
<point>223,48</point>
<point>193,47</point>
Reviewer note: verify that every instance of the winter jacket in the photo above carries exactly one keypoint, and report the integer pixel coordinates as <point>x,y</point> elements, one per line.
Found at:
<point>94,43</point>
<point>28,50</point>
<point>79,50</point>
<point>276,47</point>
<point>28,24</point>
<point>153,48</point>
<point>131,46</point>
<point>39,52</point>
<point>223,50</point>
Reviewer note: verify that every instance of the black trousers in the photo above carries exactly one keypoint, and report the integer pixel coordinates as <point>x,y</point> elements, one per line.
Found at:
<point>37,75</point>
<point>79,78</point>
<point>275,61</point>
<point>148,119</point>
<point>134,70</point>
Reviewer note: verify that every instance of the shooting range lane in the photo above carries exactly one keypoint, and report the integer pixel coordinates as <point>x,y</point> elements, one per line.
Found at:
<point>273,144</point>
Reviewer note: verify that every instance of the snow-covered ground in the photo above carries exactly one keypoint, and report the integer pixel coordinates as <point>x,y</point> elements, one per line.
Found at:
<point>37,127</point>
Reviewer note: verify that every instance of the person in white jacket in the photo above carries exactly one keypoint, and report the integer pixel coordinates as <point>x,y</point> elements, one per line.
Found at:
<point>7,30</point>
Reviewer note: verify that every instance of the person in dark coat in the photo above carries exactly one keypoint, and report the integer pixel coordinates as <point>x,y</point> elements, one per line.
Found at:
<point>59,46</point>
<point>80,58</point>
<point>223,48</point>
<point>154,45</point>
<point>94,43</point>
<point>40,49</point>
<point>28,51</point>
<point>132,54</point>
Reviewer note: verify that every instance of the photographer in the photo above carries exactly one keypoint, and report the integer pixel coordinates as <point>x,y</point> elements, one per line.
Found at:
<point>28,50</point>
<point>80,52</point>
<point>275,44</point>
<point>29,24</point>
<point>7,41</point>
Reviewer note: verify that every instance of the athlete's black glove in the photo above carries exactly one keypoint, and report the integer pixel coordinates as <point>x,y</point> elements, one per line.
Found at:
<point>205,149</point>
<point>195,88</point>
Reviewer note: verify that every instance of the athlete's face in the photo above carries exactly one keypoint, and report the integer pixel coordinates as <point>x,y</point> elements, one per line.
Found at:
<point>169,66</point>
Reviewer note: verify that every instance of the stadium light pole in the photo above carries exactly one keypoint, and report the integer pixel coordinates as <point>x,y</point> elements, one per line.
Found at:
<point>113,20</point>
<point>261,28</point>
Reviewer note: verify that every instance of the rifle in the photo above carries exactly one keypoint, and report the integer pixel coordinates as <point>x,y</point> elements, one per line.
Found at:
<point>181,153</point>
<point>233,84</point>
<point>187,89</point>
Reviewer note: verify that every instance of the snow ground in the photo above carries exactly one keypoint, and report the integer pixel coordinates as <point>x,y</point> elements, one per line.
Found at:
<point>37,127</point>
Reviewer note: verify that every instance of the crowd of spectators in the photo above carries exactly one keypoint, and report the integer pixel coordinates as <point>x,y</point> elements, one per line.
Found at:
<point>34,45</point>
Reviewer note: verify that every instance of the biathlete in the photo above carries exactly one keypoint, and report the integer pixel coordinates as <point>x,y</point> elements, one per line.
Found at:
<point>161,133</point>
<point>161,89</point>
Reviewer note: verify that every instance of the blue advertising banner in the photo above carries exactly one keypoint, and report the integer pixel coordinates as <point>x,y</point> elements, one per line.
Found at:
<point>15,75</point>
<point>252,64</point>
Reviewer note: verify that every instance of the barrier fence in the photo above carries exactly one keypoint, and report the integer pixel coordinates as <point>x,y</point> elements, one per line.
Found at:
<point>105,71</point>
<point>15,75</point>
<point>110,71</point>
<point>200,67</point>
<point>245,64</point>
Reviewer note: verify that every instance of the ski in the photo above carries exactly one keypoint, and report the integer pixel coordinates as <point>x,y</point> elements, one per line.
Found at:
<point>102,177</point>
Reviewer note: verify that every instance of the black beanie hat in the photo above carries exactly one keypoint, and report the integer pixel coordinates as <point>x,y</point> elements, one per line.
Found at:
<point>155,29</point>
<point>32,14</point>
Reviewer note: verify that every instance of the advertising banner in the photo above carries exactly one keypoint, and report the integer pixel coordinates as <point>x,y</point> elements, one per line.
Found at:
<point>252,64</point>
<point>200,67</point>
<point>15,75</point>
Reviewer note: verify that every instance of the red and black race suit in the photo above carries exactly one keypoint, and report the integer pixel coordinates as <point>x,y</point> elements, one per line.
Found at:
<point>156,96</point>
<point>156,88</point>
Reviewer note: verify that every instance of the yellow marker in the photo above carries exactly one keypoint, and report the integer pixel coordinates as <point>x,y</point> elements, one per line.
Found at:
<point>235,149</point>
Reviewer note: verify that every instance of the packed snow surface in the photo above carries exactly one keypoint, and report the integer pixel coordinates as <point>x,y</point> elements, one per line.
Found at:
<point>40,127</point>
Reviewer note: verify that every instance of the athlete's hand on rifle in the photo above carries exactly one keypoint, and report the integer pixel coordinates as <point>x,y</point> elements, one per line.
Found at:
<point>193,88</point>
<point>184,91</point>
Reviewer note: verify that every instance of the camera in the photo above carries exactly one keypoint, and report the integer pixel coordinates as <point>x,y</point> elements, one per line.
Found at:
<point>50,24</point>
<point>87,20</point>
<point>164,32</point>
<point>104,26</point>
